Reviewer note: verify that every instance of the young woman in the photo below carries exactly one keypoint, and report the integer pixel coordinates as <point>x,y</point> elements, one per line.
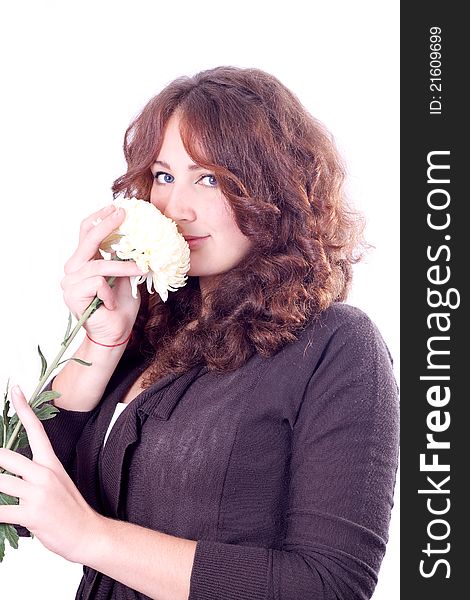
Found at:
<point>242,444</point>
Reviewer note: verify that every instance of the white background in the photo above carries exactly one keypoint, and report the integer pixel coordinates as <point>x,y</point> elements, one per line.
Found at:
<point>74,74</point>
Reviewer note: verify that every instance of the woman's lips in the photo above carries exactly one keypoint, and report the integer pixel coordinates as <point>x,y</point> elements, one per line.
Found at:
<point>194,241</point>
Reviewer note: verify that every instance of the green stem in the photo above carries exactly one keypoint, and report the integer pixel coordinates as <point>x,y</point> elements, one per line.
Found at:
<point>94,304</point>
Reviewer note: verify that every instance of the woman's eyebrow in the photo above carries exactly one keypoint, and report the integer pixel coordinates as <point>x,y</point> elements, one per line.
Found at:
<point>191,167</point>
<point>162,163</point>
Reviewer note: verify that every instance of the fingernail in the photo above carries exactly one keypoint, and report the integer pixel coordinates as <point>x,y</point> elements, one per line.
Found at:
<point>15,390</point>
<point>117,212</point>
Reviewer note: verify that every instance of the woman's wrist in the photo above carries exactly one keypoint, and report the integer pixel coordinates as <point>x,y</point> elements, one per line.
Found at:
<point>81,387</point>
<point>99,350</point>
<point>85,548</point>
<point>153,563</point>
<point>110,345</point>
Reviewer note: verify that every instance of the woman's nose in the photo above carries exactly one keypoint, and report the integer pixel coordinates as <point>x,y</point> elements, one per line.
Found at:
<point>178,205</point>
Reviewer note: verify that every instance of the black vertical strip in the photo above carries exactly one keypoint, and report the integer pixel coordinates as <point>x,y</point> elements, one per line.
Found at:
<point>435,234</point>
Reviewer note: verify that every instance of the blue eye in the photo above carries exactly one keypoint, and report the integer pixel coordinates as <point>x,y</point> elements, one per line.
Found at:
<point>162,177</point>
<point>208,180</point>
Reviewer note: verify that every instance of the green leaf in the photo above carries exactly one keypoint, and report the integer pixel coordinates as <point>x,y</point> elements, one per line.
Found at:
<point>42,410</point>
<point>46,411</point>
<point>11,426</point>
<point>44,396</point>
<point>5,418</point>
<point>79,360</point>
<point>5,395</point>
<point>9,533</point>
<point>43,363</point>
<point>21,440</point>
<point>7,500</point>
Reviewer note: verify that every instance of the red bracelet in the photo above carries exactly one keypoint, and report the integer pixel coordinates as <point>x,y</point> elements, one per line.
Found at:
<point>110,345</point>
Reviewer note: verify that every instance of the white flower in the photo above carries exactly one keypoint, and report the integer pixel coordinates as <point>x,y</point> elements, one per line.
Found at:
<point>153,242</point>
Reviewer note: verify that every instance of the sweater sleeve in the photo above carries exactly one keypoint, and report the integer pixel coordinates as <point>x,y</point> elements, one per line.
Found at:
<point>342,476</point>
<point>63,431</point>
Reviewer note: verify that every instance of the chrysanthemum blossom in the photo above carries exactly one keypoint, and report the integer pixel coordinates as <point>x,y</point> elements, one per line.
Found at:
<point>154,243</point>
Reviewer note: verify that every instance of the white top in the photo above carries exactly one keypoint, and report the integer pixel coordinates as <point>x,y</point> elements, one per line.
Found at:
<point>120,406</point>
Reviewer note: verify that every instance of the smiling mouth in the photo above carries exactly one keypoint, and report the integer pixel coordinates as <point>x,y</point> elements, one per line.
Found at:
<point>195,241</point>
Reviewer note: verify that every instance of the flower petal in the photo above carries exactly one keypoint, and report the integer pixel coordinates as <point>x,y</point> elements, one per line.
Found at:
<point>153,242</point>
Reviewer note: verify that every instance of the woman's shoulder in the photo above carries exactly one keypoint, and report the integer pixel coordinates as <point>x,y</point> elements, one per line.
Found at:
<point>345,323</point>
<point>342,335</point>
<point>340,313</point>
<point>339,357</point>
<point>344,349</point>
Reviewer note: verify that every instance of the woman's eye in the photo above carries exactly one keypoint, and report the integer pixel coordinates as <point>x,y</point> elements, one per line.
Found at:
<point>162,177</point>
<point>208,180</point>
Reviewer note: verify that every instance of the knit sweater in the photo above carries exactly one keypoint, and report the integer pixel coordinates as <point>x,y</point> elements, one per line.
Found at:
<point>283,471</point>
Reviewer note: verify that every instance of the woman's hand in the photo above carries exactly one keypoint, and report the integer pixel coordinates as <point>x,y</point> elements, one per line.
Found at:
<point>50,505</point>
<point>86,277</point>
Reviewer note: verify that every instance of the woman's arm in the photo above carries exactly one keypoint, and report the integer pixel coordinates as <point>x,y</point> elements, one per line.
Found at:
<point>86,276</point>
<point>52,508</point>
<point>342,473</point>
<point>343,467</point>
<point>153,563</point>
<point>81,387</point>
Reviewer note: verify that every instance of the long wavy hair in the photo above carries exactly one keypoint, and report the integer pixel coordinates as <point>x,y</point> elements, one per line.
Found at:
<point>280,171</point>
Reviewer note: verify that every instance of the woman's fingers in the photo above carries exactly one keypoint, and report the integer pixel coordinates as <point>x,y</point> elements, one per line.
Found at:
<point>91,237</point>
<point>80,287</point>
<point>11,513</point>
<point>91,287</point>
<point>86,277</point>
<point>16,463</point>
<point>87,290</point>
<point>90,222</point>
<point>13,486</point>
<point>39,443</point>
<point>103,268</point>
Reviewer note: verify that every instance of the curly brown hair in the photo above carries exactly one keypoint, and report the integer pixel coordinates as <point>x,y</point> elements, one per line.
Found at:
<point>280,171</point>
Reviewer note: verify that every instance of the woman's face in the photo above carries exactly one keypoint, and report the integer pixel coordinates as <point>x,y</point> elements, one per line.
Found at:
<point>190,195</point>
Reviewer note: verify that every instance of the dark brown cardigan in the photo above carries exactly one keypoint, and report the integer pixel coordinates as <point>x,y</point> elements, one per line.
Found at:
<point>283,471</point>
